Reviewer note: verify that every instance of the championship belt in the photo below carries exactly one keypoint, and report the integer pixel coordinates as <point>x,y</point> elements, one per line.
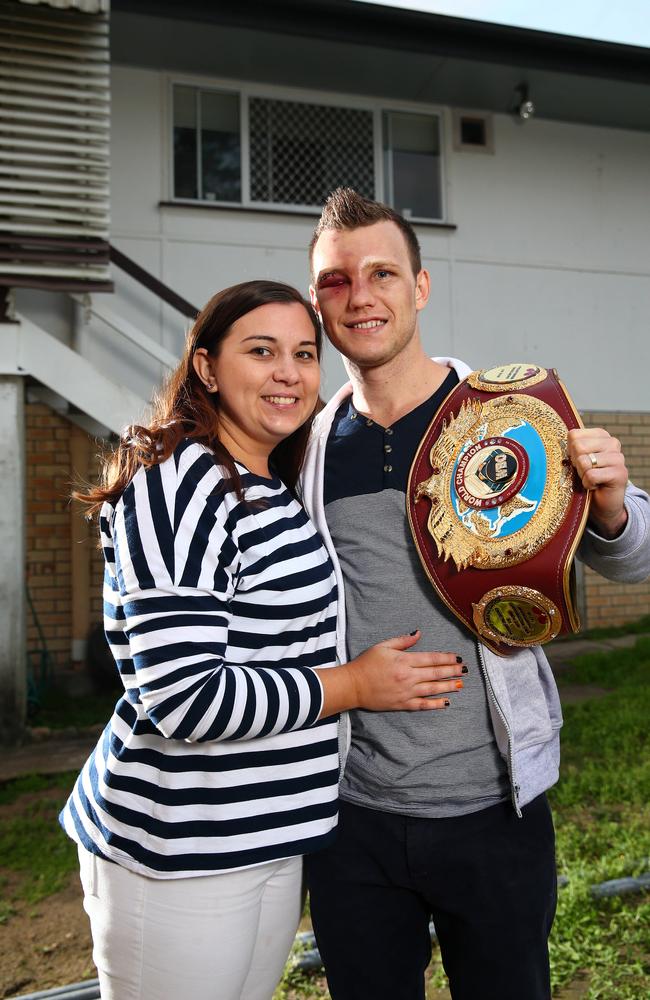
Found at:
<point>496,509</point>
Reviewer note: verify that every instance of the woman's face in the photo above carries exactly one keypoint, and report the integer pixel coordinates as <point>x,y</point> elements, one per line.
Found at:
<point>267,375</point>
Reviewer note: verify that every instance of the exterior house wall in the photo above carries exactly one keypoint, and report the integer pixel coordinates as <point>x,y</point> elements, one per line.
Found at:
<point>48,579</point>
<point>549,261</point>
<point>64,566</point>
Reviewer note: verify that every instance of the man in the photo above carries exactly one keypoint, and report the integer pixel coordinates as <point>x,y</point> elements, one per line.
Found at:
<point>443,814</point>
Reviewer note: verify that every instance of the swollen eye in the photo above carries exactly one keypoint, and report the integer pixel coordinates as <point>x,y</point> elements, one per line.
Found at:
<point>330,280</point>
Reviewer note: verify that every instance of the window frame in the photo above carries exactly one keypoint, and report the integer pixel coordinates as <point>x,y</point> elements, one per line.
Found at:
<point>246,90</point>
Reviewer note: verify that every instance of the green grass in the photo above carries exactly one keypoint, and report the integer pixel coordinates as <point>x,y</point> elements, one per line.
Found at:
<point>602,818</point>
<point>608,938</point>
<point>58,710</point>
<point>605,759</point>
<point>639,626</point>
<point>33,847</point>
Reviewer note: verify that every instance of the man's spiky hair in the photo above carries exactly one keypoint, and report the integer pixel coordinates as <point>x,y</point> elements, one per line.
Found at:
<point>346,209</point>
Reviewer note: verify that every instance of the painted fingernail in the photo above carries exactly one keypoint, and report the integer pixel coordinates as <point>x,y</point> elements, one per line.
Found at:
<point>447,703</point>
<point>459,659</point>
<point>459,685</point>
<point>413,632</point>
<point>465,669</point>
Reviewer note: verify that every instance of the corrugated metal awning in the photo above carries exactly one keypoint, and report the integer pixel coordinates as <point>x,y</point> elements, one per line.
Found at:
<point>54,145</point>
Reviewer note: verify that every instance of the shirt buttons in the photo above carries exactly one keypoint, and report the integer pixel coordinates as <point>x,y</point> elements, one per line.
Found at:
<point>388,448</point>
<point>369,422</point>
<point>353,416</point>
<point>389,430</point>
<point>388,468</point>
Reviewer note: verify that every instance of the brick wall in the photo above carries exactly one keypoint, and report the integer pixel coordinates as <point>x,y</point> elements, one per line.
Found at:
<point>49,537</point>
<point>97,577</point>
<point>608,603</point>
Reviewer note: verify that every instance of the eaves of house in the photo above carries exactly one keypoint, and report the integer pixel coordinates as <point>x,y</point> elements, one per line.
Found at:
<point>430,57</point>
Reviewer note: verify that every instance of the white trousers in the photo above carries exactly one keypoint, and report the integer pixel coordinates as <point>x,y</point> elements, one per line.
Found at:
<point>214,937</point>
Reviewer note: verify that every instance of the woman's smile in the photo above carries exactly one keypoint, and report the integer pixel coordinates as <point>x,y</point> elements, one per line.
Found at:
<point>267,376</point>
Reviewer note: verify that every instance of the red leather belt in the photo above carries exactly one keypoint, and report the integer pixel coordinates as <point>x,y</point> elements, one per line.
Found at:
<point>496,509</point>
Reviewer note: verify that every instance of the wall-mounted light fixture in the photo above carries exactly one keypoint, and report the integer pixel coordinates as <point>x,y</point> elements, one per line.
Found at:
<point>522,104</point>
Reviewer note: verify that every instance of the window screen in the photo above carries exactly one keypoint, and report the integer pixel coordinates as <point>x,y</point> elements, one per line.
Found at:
<point>300,152</point>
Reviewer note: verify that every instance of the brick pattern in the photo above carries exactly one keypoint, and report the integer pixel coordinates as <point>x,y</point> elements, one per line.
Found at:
<point>610,603</point>
<point>49,481</point>
<point>96,568</point>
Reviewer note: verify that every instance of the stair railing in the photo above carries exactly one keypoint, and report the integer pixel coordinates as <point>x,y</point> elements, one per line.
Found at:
<point>153,284</point>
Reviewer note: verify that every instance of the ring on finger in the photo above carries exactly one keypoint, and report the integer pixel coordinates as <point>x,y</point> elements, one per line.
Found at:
<point>593,459</point>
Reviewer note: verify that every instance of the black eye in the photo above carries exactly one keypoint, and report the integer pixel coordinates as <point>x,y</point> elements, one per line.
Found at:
<point>330,280</point>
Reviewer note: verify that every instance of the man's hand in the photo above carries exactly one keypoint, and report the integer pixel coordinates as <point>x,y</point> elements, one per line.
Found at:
<point>600,464</point>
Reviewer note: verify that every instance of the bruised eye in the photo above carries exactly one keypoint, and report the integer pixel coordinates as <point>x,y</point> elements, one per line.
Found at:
<point>330,280</point>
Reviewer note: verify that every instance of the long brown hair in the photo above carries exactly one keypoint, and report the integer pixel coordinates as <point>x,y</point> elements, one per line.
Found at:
<point>183,407</point>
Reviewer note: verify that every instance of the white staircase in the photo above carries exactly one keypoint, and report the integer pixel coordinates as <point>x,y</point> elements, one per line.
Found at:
<point>67,373</point>
<point>93,389</point>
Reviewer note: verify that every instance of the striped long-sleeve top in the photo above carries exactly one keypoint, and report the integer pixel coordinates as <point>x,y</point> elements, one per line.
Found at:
<point>217,611</point>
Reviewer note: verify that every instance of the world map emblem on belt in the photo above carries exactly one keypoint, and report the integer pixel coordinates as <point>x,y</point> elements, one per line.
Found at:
<point>495,508</point>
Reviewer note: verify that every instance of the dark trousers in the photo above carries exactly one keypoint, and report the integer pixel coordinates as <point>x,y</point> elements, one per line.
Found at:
<point>487,880</point>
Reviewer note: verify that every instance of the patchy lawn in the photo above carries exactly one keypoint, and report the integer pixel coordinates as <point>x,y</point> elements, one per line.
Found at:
<point>599,949</point>
<point>44,931</point>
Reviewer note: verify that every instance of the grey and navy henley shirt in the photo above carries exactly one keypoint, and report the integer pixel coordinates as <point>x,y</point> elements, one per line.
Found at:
<point>432,764</point>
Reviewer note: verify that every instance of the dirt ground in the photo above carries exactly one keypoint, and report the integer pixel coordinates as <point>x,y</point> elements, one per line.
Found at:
<point>46,944</point>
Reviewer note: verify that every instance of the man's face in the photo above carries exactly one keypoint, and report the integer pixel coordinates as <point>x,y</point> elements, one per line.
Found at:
<point>366,292</point>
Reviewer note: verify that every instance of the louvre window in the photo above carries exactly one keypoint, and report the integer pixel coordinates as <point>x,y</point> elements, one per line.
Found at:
<point>266,152</point>
<point>54,145</point>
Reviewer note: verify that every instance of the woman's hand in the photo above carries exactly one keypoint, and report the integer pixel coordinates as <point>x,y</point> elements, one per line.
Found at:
<point>387,677</point>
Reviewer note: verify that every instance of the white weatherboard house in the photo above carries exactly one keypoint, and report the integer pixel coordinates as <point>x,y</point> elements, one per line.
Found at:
<point>154,152</point>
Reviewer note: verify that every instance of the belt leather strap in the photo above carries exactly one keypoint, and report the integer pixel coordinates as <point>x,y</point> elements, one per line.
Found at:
<point>496,509</point>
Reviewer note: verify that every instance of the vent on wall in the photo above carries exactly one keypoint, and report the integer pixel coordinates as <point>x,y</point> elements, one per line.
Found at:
<point>54,147</point>
<point>473,132</point>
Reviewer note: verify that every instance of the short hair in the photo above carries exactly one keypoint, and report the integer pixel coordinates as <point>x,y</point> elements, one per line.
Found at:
<point>345,208</point>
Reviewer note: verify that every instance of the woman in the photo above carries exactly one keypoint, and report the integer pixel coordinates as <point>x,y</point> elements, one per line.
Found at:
<point>218,769</point>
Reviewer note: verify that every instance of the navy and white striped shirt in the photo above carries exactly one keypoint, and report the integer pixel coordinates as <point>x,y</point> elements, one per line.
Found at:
<point>216,611</point>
